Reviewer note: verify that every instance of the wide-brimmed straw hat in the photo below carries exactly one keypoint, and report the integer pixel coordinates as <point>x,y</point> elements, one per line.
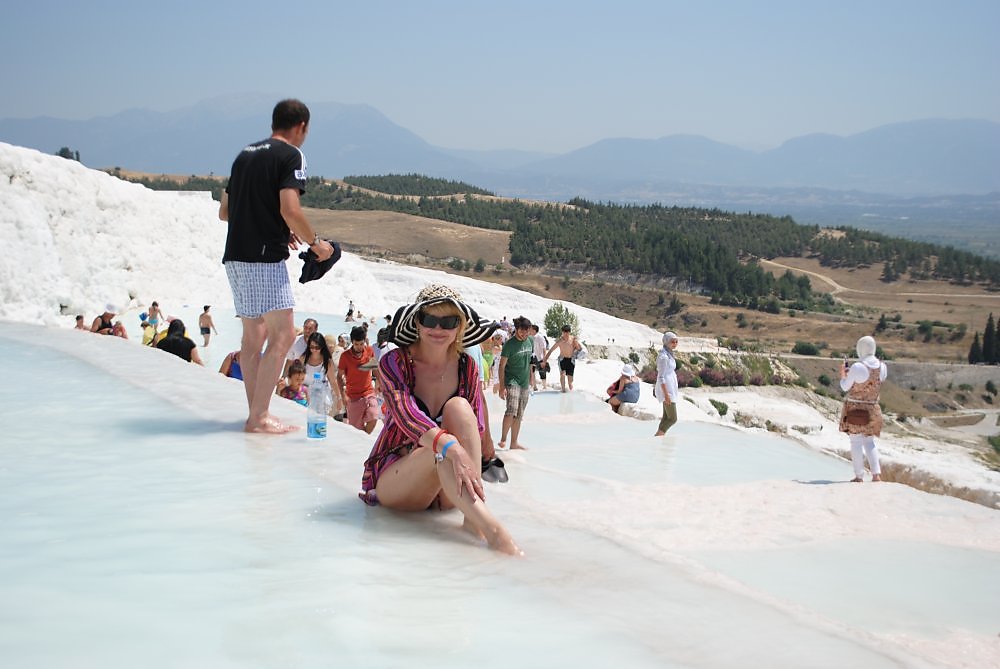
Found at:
<point>403,330</point>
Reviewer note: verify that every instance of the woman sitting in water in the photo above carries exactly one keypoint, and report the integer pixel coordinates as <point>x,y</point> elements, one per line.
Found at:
<point>175,342</point>
<point>429,451</point>
<point>625,390</point>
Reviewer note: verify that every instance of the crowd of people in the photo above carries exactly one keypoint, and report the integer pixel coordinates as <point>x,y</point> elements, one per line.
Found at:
<point>172,339</point>
<point>427,375</point>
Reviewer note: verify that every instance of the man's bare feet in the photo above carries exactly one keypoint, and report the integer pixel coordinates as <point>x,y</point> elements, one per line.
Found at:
<point>517,447</point>
<point>857,479</point>
<point>269,425</point>
<point>876,477</point>
<point>501,446</point>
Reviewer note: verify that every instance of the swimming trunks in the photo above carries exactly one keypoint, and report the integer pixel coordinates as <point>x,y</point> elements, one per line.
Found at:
<point>567,365</point>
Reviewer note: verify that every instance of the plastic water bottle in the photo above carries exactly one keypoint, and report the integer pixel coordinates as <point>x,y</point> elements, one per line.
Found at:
<point>318,403</point>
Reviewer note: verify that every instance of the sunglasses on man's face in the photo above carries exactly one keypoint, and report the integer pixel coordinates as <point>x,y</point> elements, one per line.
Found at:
<point>431,321</point>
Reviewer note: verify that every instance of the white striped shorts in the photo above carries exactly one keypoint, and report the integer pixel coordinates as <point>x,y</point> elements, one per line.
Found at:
<point>259,287</point>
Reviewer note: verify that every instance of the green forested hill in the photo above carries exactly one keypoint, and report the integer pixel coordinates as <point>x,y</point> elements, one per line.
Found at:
<point>413,184</point>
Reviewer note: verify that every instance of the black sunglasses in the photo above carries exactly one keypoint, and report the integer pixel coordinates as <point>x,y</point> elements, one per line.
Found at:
<point>430,321</point>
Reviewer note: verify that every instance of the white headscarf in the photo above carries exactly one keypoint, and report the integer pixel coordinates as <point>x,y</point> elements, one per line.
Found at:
<point>667,338</point>
<point>866,347</point>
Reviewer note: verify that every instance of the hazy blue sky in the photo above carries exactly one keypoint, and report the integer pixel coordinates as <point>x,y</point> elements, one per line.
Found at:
<point>549,76</point>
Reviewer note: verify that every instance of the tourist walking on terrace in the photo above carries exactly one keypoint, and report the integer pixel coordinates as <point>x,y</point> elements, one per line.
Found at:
<point>539,368</point>
<point>861,416</point>
<point>568,346</point>
<point>428,452</point>
<point>206,325</point>
<point>354,378</point>
<point>514,379</point>
<point>155,316</point>
<point>665,389</point>
<point>262,206</point>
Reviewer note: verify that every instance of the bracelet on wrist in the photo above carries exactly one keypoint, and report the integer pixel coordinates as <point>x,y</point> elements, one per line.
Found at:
<point>439,457</point>
<point>437,437</point>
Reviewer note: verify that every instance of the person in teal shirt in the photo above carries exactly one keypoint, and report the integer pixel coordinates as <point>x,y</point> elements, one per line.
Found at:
<point>514,378</point>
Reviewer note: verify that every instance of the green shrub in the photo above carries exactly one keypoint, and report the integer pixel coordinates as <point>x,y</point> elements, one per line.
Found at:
<point>805,348</point>
<point>824,379</point>
<point>721,407</point>
<point>556,317</point>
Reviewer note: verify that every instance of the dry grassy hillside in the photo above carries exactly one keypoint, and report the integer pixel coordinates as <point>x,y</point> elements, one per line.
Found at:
<point>432,243</point>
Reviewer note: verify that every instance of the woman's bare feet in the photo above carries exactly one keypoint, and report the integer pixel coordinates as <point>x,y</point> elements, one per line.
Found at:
<point>659,434</point>
<point>857,479</point>
<point>499,540</point>
<point>876,477</point>
<point>470,527</point>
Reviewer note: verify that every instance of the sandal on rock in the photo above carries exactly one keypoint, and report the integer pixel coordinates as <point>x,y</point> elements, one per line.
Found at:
<point>494,471</point>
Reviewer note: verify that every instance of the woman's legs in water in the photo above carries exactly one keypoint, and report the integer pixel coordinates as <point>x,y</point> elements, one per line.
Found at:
<point>415,480</point>
<point>668,420</point>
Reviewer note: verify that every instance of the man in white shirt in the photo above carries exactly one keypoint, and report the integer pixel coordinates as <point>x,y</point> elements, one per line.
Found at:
<point>298,348</point>
<point>538,367</point>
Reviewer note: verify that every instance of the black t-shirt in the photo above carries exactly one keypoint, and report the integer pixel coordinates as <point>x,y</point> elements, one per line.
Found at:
<point>257,232</point>
<point>179,346</point>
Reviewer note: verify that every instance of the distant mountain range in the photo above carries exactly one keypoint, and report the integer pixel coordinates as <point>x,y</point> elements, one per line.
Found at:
<point>811,176</point>
<point>931,157</point>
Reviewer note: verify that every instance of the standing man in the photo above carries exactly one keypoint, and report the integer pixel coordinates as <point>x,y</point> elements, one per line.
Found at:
<point>539,368</point>
<point>514,374</point>
<point>261,204</point>
<point>155,316</point>
<point>354,376</point>
<point>206,325</point>
<point>567,345</point>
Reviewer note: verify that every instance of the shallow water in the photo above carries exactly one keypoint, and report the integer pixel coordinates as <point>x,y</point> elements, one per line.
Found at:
<point>140,533</point>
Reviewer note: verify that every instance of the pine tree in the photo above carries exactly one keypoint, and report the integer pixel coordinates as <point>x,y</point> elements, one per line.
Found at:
<point>975,351</point>
<point>888,274</point>
<point>990,342</point>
